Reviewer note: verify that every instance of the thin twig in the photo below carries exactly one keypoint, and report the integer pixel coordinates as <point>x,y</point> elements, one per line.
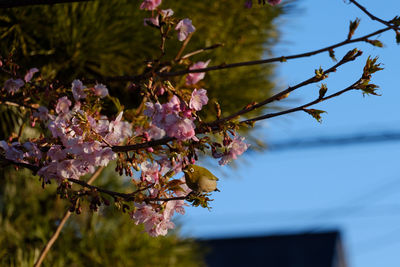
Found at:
<point>200,51</point>
<point>284,92</point>
<point>13,104</point>
<point>65,218</point>
<point>152,143</point>
<point>247,63</point>
<point>185,43</point>
<point>363,9</point>
<point>302,107</point>
<point>167,199</point>
<point>101,190</point>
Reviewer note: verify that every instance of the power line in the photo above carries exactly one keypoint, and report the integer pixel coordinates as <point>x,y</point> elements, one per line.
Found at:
<point>324,141</point>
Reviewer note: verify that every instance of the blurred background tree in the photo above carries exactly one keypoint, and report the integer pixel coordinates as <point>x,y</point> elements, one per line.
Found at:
<point>107,38</point>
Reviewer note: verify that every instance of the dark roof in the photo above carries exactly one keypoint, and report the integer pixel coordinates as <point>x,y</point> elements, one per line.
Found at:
<point>289,250</point>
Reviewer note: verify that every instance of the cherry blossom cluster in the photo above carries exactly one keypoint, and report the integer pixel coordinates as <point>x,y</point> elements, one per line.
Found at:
<point>12,86</point>
<point>175,118</point>
<point>78,138</point>
<point>80,141</point>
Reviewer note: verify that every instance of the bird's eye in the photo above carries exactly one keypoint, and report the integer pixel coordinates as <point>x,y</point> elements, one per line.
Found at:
<point>191,170</point>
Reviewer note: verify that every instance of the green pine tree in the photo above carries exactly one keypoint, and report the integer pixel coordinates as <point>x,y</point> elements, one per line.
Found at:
<point>107,38</point>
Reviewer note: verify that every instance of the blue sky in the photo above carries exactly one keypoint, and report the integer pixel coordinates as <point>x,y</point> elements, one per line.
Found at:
<point>354,188</point>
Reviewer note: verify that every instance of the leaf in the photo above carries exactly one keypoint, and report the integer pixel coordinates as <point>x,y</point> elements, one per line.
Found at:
<point>322,90</point>
<point>369,89</point>
<point>371,67</point>
<point>319,74</point>
<point>375,42</point>
<point>351,55</point>
<point>352,28</point>
<point>116,102</point>
<point>332,54</point>
<point>316,113</point>
<point>175,185</point>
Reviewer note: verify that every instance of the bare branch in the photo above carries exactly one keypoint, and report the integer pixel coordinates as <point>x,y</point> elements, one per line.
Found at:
<point>290,89</point>
<point>302,107</point>
<point>125,196</point>
<point>363,9</point>
<point>245,63</point>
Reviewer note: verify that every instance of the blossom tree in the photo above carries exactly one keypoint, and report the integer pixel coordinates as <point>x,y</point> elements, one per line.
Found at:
<point>166,134</point>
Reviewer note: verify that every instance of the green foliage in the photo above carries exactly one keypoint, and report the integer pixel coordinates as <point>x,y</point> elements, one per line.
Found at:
<point>315,113</point>
<point>107,38</point>
<point>322,90</point>
<point>29,215</point>
<point>375,43</point>
<point>353,27</point>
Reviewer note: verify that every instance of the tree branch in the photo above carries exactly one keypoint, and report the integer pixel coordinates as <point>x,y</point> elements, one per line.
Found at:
<point>290,89</point>
<point>302,107</point>
<point>247,63</point>
<point>114,194</point>
<point>152,143</point>
<point>363,9</point>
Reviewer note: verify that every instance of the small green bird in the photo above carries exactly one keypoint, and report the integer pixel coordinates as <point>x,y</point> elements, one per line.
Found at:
<point>199,179</point>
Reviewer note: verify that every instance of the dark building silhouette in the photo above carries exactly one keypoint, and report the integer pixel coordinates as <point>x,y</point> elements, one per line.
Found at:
<point>289,250</point>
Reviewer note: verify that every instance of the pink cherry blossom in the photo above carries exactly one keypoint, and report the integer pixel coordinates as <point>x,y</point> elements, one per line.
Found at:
<point>234,149</point>
<point>155,133</point>
<point>118,130</point>
<point>67,169</point>
<point>150,171</point>
<point>184,28</point>
<point>167,13</point>
<point>78,90</point>
<point>151,21</point>
<point>56,153</point>
<point>32,151</point>
<point>180,128</point>
<point>12,86</point>
<point>12,152</point>
<point>194,78</point>
<point>155,223</point>
<point>100,90</point>
<point>42,113</point>
<point>63,105</point>
<point>175,206</point>
<point>49,172</point>
<point>150,4</point>
<point>173,105</point>
<point>29,74</point>
<point>198,99</point>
